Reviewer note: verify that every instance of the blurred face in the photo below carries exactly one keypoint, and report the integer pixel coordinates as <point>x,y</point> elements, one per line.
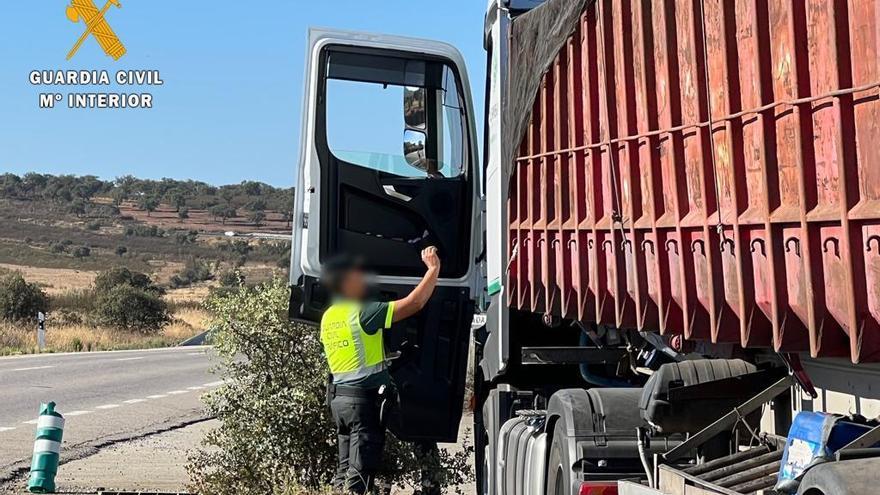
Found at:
<point>354,285</point>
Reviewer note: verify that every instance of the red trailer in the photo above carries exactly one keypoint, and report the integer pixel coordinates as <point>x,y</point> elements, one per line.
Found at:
<point>707,168</point>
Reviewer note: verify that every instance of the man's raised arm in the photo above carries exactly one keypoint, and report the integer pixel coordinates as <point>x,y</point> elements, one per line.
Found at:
<point>416,300</point>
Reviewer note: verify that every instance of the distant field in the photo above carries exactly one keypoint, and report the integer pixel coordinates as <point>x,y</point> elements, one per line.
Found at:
<point>29,233</point>
<point>54,280</point>
<point>61,241</point>
<point>166,217</point>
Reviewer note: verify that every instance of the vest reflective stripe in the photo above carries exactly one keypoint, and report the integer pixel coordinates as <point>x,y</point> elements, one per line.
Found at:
<point>351,353</point>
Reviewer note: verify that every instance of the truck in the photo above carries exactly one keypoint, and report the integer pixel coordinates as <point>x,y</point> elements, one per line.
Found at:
<point>671,238</point>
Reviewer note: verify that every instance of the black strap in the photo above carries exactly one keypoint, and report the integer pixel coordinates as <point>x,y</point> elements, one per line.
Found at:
<point>350,391</point>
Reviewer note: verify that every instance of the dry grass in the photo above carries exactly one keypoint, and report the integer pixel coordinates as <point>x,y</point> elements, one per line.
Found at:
<point>21,339</point>
<point>54,280</point>
<point>194,317</point>
<point>194,294</point>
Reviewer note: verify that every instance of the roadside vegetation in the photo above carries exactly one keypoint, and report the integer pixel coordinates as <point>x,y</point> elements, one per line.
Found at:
<point>65,235</point>
<point>122,309</point>
<point>276,435</point>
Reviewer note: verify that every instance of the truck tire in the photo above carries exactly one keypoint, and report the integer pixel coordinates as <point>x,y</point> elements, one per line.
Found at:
<point>560,475</point>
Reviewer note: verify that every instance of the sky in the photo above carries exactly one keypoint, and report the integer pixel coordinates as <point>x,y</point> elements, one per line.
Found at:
<point>229,108</point>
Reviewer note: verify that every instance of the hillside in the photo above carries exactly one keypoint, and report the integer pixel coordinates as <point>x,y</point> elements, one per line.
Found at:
<point>84,224</point>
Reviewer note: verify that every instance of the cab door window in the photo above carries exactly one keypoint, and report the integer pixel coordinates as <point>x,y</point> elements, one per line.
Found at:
<point>397,116</point>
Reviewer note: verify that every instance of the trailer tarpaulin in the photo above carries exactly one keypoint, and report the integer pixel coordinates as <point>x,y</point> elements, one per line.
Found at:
<point>539,35</point>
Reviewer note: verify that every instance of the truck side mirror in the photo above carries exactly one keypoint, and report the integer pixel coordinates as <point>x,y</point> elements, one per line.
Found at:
<point>414,149</point>
<point>415,118</point>
<point>414,107</point>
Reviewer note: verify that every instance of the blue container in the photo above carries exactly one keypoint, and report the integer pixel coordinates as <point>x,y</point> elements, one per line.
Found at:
<point>814,437</point>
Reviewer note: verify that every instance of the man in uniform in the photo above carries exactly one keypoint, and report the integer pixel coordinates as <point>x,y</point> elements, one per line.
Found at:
<point>351,332</point>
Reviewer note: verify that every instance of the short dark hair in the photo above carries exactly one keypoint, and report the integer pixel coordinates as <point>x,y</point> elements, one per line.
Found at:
<point>337,268</point>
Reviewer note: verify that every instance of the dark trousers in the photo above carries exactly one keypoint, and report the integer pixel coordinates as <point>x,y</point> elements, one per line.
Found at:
<point>361,437</point>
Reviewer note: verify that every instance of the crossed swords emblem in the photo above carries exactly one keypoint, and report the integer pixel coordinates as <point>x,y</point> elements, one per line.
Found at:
<point>96,26</point>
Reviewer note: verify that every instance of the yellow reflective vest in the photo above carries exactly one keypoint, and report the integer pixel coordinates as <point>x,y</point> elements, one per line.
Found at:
<point>352,353</point>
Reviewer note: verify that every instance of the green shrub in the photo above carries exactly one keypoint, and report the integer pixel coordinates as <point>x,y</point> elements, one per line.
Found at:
<point>144,231</point>
<point>276,434</point>
<point>257,217</point>
<point>82,252</point>
<point>129,308</point>
<point>19,299</point>
<point>186,238</point>
<point>194,271</point>
<point>120,275</point>
<point>232,278</point>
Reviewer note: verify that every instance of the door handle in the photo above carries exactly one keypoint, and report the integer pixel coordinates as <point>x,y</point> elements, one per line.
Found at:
<point>390,191</point>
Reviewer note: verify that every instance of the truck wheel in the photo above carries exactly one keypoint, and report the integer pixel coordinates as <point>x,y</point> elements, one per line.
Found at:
<point>560,476</point>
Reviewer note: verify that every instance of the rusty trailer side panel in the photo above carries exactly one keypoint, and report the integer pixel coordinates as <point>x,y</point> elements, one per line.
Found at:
<point>708,168</point>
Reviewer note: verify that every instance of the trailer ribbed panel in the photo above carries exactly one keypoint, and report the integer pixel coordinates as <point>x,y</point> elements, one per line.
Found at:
<point>708,168</point>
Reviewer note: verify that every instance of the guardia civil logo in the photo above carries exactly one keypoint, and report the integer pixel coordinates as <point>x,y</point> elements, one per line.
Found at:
<point>96,26</point>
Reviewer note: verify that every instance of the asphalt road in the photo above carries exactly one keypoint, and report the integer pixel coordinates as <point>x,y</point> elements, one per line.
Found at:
<point>105,397</point>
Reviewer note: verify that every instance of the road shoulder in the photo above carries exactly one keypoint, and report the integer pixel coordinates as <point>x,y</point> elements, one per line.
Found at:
<point>152,463</point>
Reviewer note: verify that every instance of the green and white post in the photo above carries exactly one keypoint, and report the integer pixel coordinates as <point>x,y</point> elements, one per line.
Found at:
<point>47,446</point>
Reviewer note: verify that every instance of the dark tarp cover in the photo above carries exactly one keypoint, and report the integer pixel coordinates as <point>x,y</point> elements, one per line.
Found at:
<point>536,38</point>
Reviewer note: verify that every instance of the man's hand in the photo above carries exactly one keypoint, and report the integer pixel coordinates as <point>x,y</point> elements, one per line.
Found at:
<point>416,300</point>
<point>430,259</point>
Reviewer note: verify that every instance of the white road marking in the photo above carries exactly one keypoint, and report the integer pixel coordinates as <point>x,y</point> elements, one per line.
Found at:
<point>30,422</point>
<point>76,413</point>
<point>197,387</point>
<point>129,359</point>
<point>170,350</point>
<point>33,368</point>
<point>196,354</point>
<point>213,384</point>
<point>160,396</point>
<point>6,428</point>
<point>134,401</point>
<point>177,392</point>
<point>107,406</point>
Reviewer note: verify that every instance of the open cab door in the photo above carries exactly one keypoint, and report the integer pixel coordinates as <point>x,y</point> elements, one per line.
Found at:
<point>389,166</point>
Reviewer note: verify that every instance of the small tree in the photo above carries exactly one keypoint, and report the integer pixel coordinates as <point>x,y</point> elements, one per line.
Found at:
<point>275,368</point>
<point>257,218</point>
<point>120,275</point>
<point>223,212</point>
<point>118,196</point>
<point>82,252</point>
<point>77,207</point>
<point>183,213</point>
<point>229,212</point>
<point>257,205</point>
<point>194,271</point>
<point>177,200</point>
<point>129,308</point>
<point>121,250</point>
<point>19,299</point>
<point>148,204</point>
